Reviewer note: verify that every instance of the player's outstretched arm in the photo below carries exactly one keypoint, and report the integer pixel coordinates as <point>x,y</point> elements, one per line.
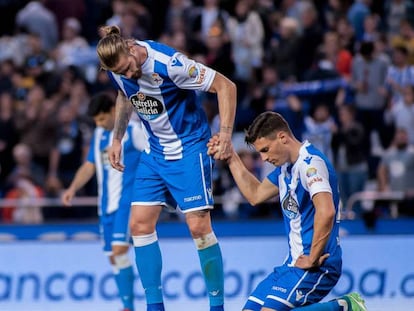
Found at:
<point>253,190</point>
<point>82,176</point>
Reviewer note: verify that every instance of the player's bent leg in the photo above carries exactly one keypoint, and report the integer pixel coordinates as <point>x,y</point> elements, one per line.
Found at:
<point>349,302</point>
<point>147,253</point>
<point>124,275</point>
<point>210,256</point>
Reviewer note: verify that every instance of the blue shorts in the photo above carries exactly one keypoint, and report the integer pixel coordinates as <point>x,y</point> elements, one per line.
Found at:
<point>185,182</point>
<point>290,287</point>
<point>114,228</point>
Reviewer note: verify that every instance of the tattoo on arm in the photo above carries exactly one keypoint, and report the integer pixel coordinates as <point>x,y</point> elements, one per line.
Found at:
<point>122,116</point>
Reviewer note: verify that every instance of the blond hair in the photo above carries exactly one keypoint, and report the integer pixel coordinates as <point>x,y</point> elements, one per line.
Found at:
<point>111,46</point>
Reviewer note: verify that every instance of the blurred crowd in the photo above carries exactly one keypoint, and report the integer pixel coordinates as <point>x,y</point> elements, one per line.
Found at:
<point>341,73</point>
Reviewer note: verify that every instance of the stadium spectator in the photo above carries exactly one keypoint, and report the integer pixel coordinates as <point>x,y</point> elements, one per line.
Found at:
<point>63,10</point>
<point>72,44</point>
<point>319,127</point>
<point>310,39</point>
<point>350,160</point>
<point>396,171</point>
<point>306,184</point>
<point>26,210</point>
<point>368,79</point>
<point>160,83</point>
<point>405,38</point>
<point>399,75</point>
<point>37,125</point>
<point>356,16</point>
<point>8,137</point>
<point>246,34</point>
<point>115,189</point>
<point>285,51</point>
<point>205,16</point>
<point>395,13</point>
<point>346,34</point>
<point>401,114</point>
<point>371,28</point>
<point>36,18</point>
<point>69,151</point>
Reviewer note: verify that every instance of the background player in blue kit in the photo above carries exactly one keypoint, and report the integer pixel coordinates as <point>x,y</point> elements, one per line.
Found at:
<point>161,83</point>
<point>307,186</point>
<point>114,189</point>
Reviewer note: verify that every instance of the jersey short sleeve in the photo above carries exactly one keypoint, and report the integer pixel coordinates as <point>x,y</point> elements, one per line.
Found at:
<point>189,74</point>
<point>91,152</point>
<point>314,175</point>
<point>274,176</point>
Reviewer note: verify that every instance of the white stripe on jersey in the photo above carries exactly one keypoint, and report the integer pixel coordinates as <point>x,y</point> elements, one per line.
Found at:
<point>114,184</point>
<point>98,164</point>
<point>295,239</point>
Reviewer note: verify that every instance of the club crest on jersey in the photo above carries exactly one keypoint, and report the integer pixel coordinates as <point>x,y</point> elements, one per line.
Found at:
<point>290,207</point>
<point>148,107</point>
<point>157,80</point>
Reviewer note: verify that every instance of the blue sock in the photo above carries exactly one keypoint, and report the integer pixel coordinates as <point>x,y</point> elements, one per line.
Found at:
<point>333,305</point>
<point>125,283</point>
<point>155,307</point>
<point>149,264</point>
<point>212,266</point>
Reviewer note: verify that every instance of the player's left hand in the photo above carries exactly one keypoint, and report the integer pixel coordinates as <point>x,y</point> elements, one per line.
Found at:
<point>114,153</point>
<point>212,145</point>
<point>220,146</point>
<point>304,262</point>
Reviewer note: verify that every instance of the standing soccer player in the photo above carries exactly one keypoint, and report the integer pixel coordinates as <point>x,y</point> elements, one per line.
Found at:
<point>114,189</point>
<point>161,83</point>
<point>307,186</point>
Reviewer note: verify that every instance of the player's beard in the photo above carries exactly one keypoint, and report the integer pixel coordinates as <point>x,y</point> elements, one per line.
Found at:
<point>137,74</point>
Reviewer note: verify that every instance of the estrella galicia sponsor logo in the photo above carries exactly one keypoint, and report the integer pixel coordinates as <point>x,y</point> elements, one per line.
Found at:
<point>148,107</point>
<point>290,207</point>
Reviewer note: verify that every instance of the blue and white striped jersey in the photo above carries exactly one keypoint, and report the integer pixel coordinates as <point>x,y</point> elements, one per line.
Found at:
<point>165,100</point>
<point>114,186</point>
<point>402,77</point>
<point>298,183</point>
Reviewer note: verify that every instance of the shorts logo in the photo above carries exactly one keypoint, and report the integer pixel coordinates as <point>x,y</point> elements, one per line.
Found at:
<point>193,198</point>
<point>299,295</point>
<point>148,107</point>
<point>290,207</point>
<point>279,289</point>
